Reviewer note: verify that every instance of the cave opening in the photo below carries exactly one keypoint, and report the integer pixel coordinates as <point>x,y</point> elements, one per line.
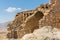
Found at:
<point>39,14</point>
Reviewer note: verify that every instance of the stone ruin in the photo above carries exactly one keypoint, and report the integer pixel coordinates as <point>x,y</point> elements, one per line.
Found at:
<point>27,21</point>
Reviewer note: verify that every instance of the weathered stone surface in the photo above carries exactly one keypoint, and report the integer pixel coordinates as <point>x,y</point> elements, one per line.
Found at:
<point>44,33</point>
<point>31,23</point>
<point>27,21</point>
<point>53,18</point>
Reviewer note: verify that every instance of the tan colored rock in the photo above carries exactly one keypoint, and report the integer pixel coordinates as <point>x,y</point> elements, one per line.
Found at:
<point>53,18</point>
<point>31,23</point>
<point>27,21</point>
<point>44,33</point>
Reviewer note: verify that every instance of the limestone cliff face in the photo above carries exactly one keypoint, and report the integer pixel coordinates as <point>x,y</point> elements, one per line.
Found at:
<point>53,18</point>
<point>31,23</point>
<point>27,21</point>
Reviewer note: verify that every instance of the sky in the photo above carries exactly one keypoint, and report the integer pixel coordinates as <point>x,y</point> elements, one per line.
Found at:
<point>9,8</point>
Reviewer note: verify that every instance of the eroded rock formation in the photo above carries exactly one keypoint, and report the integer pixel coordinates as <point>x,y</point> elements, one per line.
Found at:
<point>31,23</point>
<point>53,18</point>
<point>27,21</point>
<point>44,33</point>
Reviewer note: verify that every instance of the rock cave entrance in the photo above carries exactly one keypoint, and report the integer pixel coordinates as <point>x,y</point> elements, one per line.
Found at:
<point>39,14</point>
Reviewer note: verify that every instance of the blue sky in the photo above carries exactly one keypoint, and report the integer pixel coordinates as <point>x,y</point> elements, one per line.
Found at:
<point>9,8</point>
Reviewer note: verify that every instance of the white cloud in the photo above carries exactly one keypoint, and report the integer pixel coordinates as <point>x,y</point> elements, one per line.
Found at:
<point>12,9</point>
<point>18,8</point>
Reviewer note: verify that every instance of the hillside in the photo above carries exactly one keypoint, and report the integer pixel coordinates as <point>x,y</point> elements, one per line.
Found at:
<point>45,18</point>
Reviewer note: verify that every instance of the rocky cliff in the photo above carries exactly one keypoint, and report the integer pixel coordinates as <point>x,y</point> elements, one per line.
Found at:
<point>53,18</point>
<point>27,21</point>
